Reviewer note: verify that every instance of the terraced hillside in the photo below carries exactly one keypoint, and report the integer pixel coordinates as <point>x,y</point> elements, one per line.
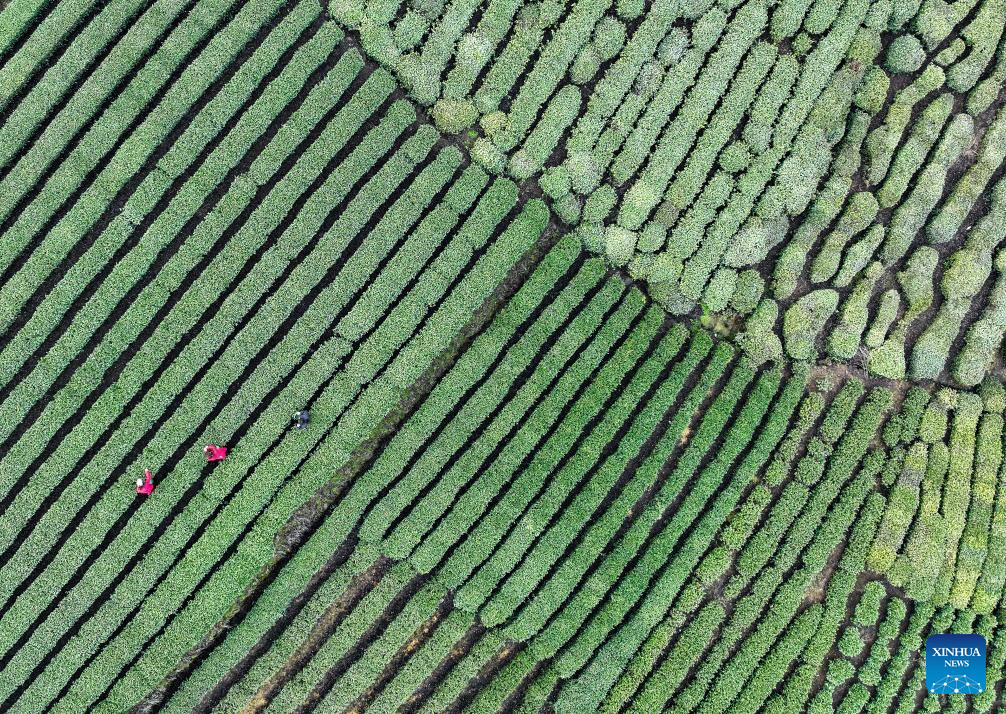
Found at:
<point>648,346</point>
<point>829,169</point>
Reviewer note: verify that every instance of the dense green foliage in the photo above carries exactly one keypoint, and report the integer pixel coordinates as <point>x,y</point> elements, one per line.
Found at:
<point>816,145</point>
<point>652,351</point>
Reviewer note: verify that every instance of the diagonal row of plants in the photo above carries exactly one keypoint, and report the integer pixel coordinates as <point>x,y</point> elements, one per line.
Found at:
<point>279,240</point>
<point>578,534</point>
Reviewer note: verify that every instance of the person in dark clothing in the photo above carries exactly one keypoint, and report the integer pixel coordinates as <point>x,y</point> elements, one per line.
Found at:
<point>301,419</point>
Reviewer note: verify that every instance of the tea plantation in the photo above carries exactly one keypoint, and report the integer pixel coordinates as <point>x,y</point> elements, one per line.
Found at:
<point>652,352</point>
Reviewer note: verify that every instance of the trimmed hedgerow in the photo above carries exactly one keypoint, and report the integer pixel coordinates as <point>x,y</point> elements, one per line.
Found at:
<point>648,190</point>
<point>805,320</point>
<point>886,314</point>
<point>843,341</point>
<point>859,255</point>
<point>911,156</point>
<point>858,214</point>
<point>759,340</point>
<point>974,539</point>
<point>982,34</point>
<point>884,139</point>
<point>958,492</point>
<point>903,427</point>
<point>902,507</point>
<point>867,611</point>
<point>910,217</point>
<point>904,55</point>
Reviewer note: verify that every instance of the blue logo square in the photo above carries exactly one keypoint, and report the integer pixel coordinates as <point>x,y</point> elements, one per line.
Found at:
<point>955,664</point>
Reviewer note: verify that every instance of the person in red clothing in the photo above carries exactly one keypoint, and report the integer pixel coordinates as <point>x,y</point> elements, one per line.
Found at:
<point>145,485</point>
<point>214,452</point>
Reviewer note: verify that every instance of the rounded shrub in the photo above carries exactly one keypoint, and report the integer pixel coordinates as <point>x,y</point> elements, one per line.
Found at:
<point>591,234</point>
<point>720,289</point>
<point>430,9</point>
<point>599,204</point>
<point>887,313</point>
<point>965,274</point>
<point>735,157</point>
<point>751,243</point>
<point>453,116</point>
<point>888,360</point>
<point>488,155</point>
<point>379,42</point>
<point>652,238</point>
<point>917,278</point>
<point>670,298</point>
<point>748,291</point>
<point>493,123</point>
<point>410,31</point>
<point>933,426</point>
<point>473,48</point>
<point>951,53</point>
<point>850,643</point>
<point>904,55</point>
<point>554,181</point>
<point>934,21</point>
<point>419,78</point>
<point>609,38</point>
<point>865,47</point>
<point>692,595</point>
<point>630,9</point>
<point>584,173</point>
<point>568,208</point>
<point>641,265</point>
<point>665,268</point>
<point>348,12</point>
<point>759,339</point>
<point>993,395</point>
<point>521,165</point>
<point>858,256</point>
<point>712,567</point>
<point>666,214</point>
<point>868,609</point>
<point>872,92</point>
<point>585,66</point>
<point>673,47</point>
<point>840,670</point>
<point>878,14</point>
<point>647,81</point>
<point>802,44</point>
<point>619,244</point>
<point>805,320</point>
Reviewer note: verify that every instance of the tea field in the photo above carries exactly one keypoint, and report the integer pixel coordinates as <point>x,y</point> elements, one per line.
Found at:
<point>653,352</point>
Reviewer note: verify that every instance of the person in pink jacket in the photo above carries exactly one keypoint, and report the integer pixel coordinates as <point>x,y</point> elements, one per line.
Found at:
<point>145,485</point>
<point>214,452</point>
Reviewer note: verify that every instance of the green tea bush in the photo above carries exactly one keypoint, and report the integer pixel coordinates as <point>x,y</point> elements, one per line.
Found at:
<point>887,313</point>
<point>805,320</point>
<point>585,66</point>
<point>844,340</point>
<point>850,643</point>
<point>868,609</point>
<point>609,38</point>
<point>859,213</point>
<point>904,55</point>
<point>720,289</point>
<point>916,280</point>
<point>619,244</point>
<point>872,92</point>
<point>859,255</point>
<point>993,395</point>
<point>747,292</point>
